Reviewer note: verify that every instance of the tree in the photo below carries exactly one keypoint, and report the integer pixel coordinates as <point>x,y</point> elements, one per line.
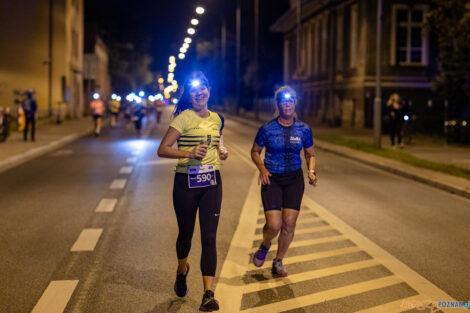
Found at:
<point>449,20</point>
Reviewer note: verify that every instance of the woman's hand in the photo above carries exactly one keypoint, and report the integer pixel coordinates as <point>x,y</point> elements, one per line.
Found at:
<point>223,153</point>
<point>312,179</point>
<point>199,152</point>
<point>264,176</point>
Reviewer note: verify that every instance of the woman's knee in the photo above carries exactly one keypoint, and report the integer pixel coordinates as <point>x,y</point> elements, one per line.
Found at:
<point>273,226</point>
<point>288,226</point>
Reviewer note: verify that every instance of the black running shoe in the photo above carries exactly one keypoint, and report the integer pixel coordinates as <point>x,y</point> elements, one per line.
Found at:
<point>181,288</point>
<point>209,304</point>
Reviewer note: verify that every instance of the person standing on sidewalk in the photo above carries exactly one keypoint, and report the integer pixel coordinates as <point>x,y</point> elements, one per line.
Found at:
<point>29,107</point>
<point>395,114</point>
<point>97,109</point>
<point>281,175</point>
<point>198,183</point>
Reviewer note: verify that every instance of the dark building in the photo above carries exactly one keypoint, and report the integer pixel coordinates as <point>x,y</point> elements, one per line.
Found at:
<point>336,64</point>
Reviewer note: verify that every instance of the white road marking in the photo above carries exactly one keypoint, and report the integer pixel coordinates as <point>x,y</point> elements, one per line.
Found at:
<point>87,240</point>
<point>106,205</point>
<point>326,295</point>
<point>400,269</point>
<point>131,160</point>
<point>392,307</point>
<point>126,170</point>
<point>296,278</point>
<point>302,231</point>
<point>307,257</point>
<point>55,297</point>
<point>118,184</point>
<point>308,242</point>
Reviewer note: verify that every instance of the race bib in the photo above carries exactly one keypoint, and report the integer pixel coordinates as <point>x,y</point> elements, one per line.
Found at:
<point>201,176</point>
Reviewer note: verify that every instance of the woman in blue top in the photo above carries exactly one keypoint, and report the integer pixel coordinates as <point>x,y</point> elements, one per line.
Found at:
<point>281,175</point>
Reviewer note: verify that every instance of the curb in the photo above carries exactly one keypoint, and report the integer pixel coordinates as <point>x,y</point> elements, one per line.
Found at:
<point>36,152</point>
<point>378,163</point>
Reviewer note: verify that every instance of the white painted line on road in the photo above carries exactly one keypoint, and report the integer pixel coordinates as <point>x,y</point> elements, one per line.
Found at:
<point>400,269</point>
<point>301,231</point>
<point>55,297</point>
<point>392,307</point>
<point>327,295</point>
<point>307,257</point>
<point>118,184</point>
<point>87,240</point>
<point>131,160</point>
<point>126,170</point>
<point>308,242</point>
<point>106,205</point>
<point>300,277</point>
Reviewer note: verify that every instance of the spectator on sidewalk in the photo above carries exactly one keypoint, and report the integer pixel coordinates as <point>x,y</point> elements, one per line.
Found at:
<point>29,107</point>
<point>395,114</point>
<point>97,108</point>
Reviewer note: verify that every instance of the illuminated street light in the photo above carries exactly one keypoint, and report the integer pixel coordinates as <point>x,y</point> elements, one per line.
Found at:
<point>172,59</point>
<point>200,10</point>
<point>171,70</point>
<point>141,93</point>
<point>191,31</point>
<point>161,80</point>
<point>186,46</point>
<point>174,82</point>
<point>194,21</point>
<point>183,50</point>
<point>187,40</point>
<point>181,56</point>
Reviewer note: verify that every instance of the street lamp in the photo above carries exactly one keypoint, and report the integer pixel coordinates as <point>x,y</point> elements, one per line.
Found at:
<point>200,10</point>
<point>188,40</point>
<point>186,46</point>
<point>183,50</point>
<point>194,21</point>
<point>191,31</point>
<point>181,56</point>
<point>172,59</point>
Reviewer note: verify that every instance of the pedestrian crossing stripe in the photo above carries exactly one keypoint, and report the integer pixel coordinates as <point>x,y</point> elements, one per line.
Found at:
<point>231,286</point>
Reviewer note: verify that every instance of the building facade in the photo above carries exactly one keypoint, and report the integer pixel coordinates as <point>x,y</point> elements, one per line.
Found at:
<point>334,63</point>
<point>25,48</point>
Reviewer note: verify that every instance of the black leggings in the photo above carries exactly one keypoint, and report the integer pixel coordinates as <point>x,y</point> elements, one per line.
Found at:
<point>186,202</point>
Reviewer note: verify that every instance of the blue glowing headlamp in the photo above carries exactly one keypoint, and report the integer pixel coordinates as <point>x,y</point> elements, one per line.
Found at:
<point>96,96</point>
<point>285,96</point>
<point>195,83</point>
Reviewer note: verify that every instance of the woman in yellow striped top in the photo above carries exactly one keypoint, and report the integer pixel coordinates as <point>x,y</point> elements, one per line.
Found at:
<point>198,183</point>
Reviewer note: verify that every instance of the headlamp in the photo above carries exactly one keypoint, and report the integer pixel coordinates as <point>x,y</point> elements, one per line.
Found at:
<point>96,96</point>
<point>195,83</point>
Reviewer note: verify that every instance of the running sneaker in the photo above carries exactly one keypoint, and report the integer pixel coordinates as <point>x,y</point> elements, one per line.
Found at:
<point>209,304</point>
<point>278,269</point>
<point>181,289</point>
<point>260,256</point>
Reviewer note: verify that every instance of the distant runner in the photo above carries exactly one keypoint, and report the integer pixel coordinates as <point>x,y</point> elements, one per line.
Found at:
<point>97,109</point>
<point>281,175</point>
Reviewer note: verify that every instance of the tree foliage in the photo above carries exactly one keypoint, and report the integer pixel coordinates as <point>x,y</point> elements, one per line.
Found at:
<point>449,20</point>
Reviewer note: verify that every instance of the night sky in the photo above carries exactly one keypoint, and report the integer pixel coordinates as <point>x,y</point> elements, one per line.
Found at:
<point>159,27</point>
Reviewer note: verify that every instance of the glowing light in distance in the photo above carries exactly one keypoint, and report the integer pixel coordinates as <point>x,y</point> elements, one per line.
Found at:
<point>96,96</point>
<point>159,96</point>
<point>113,96</point>
<point>194,21</point>
<point>141,93</point>
<point>172,59</point>
<point>191,31</point>
<point>167,96</point>
<point>118,98</point>
<point>200,10</point>
<point>138,99</point>
<point>181,56</point>
<point>171,75</point>
<point>161,80</point>
<point>151,98</point>
<point>174,82</point>
<point>187,40</point>
<point>171,66</point>
<point>183,50</point>
<point>406,117</point>
<point>175,101</point>
<point>186,45</point>
<point>170,79</point>
<point>171,70</point>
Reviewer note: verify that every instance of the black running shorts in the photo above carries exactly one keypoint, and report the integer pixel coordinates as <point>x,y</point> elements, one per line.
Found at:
<point>285,191</point>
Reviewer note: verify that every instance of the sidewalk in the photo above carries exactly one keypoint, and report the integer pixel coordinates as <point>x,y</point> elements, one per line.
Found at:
<point>49,136</point>
<point>421,147</point>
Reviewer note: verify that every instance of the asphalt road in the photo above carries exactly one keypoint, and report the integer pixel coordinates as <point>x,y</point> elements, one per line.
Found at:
<point>45,205</point>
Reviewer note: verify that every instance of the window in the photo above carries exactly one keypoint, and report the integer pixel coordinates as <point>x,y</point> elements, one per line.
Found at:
<point>339,40</point>
<point>353,37</point>
<point>409,42</point>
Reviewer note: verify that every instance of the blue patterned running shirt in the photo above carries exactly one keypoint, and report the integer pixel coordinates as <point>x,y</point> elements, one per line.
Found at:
<point>283,145</point>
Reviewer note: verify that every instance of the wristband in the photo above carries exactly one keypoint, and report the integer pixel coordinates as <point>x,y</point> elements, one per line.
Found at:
<point>312,171</point>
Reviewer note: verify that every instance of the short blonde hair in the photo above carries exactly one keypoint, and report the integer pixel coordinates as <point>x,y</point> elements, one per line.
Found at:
<point>284,89</point>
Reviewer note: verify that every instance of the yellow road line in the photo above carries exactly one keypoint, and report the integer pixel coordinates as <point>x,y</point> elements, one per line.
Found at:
<point>296,278</point>
<point>308,242</point>
<point>392,307</point>
<point>308,257</point>
<point>300,231</point>
<point>424,287</point>
<point>326,295</point>
<point>300,220</point>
